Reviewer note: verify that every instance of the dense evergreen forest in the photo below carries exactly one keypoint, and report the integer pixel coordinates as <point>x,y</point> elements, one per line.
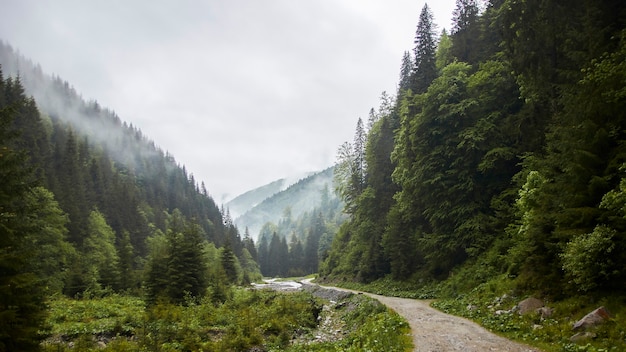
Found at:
<point>295,245</point>
<point>90,207</point>
<point>503,150</point>
<point>301,196</point>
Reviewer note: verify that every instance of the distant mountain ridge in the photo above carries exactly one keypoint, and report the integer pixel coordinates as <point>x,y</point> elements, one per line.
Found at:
<point>248,200</point>
<point>299,197</point>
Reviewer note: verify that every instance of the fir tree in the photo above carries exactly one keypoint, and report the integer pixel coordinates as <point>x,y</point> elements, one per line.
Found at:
<point>425,69</point>
<point>22,310</point>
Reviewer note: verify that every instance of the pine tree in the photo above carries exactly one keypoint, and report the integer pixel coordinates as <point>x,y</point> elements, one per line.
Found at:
<point>186,268</point>
<point>126,256</point>
<point>277,255</point>
<point>465,31</point>
<point>406,69</point>
<point>22,310</point>
<point>263,255</point>
<point>100,254</point>
<point>425,69</point>
<point>228,262</point>
<point>351,169</point>
<point>296,256</point>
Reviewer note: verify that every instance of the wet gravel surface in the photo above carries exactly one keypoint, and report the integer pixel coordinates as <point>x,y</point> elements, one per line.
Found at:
<point>435,331</point>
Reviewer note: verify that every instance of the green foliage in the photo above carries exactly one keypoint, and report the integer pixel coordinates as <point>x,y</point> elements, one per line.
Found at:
<point>370,326</point>
<point>425,70</point>
<point>100,255</point>
<point>48,238</point>
<point>21,291</point>
<point>110,316</point>
<point>228,262</point>
<point>586,258</point>
<point>250,318</point>
<point>490,303</point>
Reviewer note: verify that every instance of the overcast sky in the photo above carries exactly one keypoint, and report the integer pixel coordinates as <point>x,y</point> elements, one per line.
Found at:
<point>242,92</point>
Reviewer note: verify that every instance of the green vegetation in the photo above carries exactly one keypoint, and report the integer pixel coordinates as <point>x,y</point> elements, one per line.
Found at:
<point>89,207</point>
<point>295,245</point>
<point>268,320</point>
<point>489,304</point>
<point>499,162</point>
<point>372,328</point>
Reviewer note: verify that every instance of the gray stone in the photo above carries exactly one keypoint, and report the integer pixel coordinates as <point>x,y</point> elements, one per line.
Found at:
<point>545,312</point>
<point>529,305</point>
<point>597,317</point>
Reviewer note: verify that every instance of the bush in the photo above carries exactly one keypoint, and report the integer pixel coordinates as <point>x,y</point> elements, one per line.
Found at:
<point>587,260</point>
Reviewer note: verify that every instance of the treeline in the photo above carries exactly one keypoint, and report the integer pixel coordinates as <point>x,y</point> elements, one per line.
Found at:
<point>503,149</point>
<point>83,216</point>
<point>296,245</point>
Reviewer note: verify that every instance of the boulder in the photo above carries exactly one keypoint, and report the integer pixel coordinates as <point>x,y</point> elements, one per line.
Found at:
<point>529,305</point>
<point>545,312</point>
<point>597,317</point>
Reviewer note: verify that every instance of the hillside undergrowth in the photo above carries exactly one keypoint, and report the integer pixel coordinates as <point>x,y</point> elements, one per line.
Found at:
<point>250,320</point>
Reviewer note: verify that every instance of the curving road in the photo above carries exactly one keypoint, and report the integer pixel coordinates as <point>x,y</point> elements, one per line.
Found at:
<point>435,331</point>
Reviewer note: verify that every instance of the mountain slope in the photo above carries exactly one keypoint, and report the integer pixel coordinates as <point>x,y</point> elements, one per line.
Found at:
<point>93,161</point>
<point>299,197</point>
<point>248,200</point>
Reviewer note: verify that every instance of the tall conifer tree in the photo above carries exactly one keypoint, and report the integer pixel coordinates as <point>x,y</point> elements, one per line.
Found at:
<point>425,69</point>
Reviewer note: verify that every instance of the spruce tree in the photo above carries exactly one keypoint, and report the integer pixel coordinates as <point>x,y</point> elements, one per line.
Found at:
<point>406,69</point>
<point>228,262</point>
<point>186,268</point>
<point>22,309</point>
<point>425,69</point>
<point>465,31</point>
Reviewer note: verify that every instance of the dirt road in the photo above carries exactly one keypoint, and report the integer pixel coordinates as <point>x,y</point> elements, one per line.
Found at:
<point>435,331</point>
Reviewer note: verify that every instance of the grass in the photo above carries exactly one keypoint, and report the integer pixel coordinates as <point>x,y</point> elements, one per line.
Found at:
<point>550,334</point>
<point>262,319</point>
<point>499,293</point>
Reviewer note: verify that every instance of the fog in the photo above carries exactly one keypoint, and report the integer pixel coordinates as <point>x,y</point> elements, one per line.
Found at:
<point>241,92</point>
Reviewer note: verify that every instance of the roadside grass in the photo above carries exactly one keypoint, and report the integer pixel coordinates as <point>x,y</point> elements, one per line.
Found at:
<point>490,304</point>
<point>477,295</point>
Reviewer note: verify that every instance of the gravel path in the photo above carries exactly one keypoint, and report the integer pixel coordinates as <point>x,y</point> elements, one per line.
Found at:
<point>435,331</point>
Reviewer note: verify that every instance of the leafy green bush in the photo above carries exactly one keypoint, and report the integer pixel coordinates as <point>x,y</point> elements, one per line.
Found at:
<point>586,258</point>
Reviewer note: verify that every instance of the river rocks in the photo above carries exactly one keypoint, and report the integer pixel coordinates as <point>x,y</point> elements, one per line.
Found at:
<point>597,317</point>
<point>529,305</point>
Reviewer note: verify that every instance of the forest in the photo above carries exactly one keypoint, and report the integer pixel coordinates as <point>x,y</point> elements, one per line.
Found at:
<point>86,215</point>
<point>503,148</point>
<point>500,161</point>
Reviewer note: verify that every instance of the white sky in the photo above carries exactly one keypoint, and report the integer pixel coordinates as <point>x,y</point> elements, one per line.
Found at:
<point>242,92</point>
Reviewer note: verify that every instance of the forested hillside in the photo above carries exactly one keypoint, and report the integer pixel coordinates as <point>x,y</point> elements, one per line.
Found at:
<point>503,151</point>
<point>296,198</point>
<point>89,206</point>
<point>295,244</point>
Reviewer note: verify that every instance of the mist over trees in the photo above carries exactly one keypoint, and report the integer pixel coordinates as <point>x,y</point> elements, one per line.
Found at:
<point>503,149</point>
<point>89,207</point>
<point>297,244</point>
